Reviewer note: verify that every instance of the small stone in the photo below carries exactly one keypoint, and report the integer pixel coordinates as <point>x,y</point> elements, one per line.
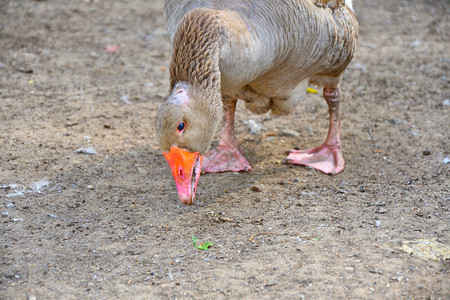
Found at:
<point>360,89</point>
<point>225,220</point>
<point>359,66</point>
<point>26,71</point>
<point>289,132</point>
<point>382,210</point>
<point>396,121</point>
<point>170,276</point>
<point>446,160</point>
<point>25,62</point>
<point>254,127</point>
<point>256,188</point>
<point>141,170</point>
<point>414,44</point>
<point>71,123</point>
<point>125,100</point>
<point>88,151</point>
<point>39,186</point>
<point>10,205</point>
<point>378,223</point>
<point>446,102</point>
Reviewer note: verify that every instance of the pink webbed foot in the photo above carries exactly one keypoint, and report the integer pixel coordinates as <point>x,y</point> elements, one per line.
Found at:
<point>325,158</point>
<point>225,158</point>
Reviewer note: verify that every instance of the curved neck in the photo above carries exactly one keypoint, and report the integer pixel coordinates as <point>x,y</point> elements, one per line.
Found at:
<point>197,42</point>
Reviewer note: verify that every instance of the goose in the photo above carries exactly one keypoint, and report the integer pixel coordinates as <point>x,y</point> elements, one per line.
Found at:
<point>262,52</point>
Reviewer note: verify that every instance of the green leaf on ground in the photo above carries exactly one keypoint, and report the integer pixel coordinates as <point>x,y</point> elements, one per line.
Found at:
<point>203,246</point>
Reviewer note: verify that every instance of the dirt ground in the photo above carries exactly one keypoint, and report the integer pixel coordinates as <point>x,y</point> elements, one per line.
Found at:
<point>110,226</point>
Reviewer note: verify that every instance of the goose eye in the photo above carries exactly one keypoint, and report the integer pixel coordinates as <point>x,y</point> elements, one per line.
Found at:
<point>181,127</point>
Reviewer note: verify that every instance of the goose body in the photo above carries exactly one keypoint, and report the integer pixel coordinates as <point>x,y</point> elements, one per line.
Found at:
<point>262,52</point>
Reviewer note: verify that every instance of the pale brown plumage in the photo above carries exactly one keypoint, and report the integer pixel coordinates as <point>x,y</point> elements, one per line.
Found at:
<point>263,52</point>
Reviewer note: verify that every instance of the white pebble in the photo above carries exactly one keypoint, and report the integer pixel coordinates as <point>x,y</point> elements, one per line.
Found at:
<point>88,150</point>
<point>414,44</point>
<point>16,194</point>
<point>289,132</point>
<point>39,186</point>
<point>124,99</point>
<point>254,127</point>
<point>359,66</point>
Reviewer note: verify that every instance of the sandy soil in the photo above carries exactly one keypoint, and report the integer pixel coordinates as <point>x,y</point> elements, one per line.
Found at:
<point>109,225</point>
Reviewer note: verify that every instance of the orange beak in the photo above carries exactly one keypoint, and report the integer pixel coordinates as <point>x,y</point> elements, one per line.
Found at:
<point>186,168</point>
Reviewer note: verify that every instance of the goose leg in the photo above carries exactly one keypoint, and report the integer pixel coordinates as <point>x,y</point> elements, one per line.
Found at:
<point>228,154</point>
<point>328,156</point>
